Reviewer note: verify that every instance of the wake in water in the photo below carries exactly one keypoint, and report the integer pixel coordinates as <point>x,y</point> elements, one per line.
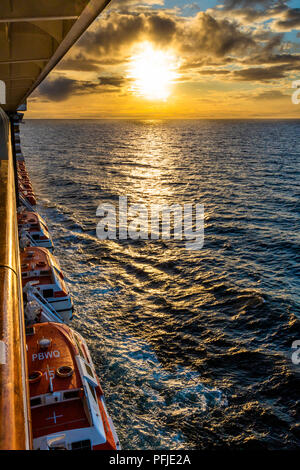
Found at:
<point>194,346</point>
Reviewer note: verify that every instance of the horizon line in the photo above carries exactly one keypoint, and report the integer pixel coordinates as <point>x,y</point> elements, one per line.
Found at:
<point>164,119</point>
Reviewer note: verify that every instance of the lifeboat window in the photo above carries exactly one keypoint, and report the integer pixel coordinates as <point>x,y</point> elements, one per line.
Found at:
<point>89,370</point>
<point>82,445</point>
<point>72,394</point>
<point>48,293</point>
<point>45,273</point>
<point>93,392</point>
<point>35,401</point>
<point>30,331</point>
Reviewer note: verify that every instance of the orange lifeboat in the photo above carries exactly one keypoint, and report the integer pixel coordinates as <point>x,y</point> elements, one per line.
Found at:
<point>34,229</point>
<point>24,184</point>
<point>40,268</point>
<point>67,403</point>
<point>27,194</point>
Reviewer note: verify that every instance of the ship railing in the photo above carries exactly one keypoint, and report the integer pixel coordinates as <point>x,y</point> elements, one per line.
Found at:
<point>14,397</point>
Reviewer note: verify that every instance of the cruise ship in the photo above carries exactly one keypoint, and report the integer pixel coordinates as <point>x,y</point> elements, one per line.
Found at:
<point>50,395</point>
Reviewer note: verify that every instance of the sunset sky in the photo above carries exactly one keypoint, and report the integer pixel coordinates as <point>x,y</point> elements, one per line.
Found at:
<point>173,59</point>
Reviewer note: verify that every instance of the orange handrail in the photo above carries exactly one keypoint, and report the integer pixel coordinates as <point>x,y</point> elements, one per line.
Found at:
<point>14,402</point>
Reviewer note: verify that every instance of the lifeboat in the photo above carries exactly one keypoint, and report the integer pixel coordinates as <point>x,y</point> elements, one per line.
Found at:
<point>41,269</point>
<point>36,308</point>
<point>27,194</point>
<point>21,168</point>
<point>34,229</point>
<point>24,184</point>
<point>67,403</point>
<point>24,203</point>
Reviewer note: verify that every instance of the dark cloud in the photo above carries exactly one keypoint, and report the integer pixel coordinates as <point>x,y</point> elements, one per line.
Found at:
<point>251,3</point>
<point>162,29</point>
<point>283,17</point>
<point>203,35</point>
<point>112,81</point>
<point>289,20</point>
<point>205,61</point>
<point>113,34</point>
<point>214,72</point>
<point>201,41</point>
<point>253,74</point>
<point>208,35</point>
<point>271,95</point>
<point>79,62</point>
<point>263,74</point>
<point>265,59</point>
<point>62,88</point>
<point>271,52</point>
<point>58,89</point>
<point>207,44</point>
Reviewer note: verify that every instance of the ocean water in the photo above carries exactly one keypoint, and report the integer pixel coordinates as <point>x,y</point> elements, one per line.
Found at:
<point>193,348</point>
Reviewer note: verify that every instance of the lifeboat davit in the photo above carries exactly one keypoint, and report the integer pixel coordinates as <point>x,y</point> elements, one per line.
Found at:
<point>67,403</point>
<point>34,229</point>
<point>40,268</point>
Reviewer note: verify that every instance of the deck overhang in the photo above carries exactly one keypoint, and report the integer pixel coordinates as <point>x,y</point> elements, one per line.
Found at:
<point>34,36</point>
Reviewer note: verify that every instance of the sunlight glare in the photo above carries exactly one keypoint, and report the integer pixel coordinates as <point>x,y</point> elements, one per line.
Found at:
<point>153,72</point>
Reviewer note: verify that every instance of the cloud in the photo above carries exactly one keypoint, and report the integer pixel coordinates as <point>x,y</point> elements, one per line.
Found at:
<point>192,6</point>
<point>288,20</point>
<point>113,33</point>
<point>265,59</point>
<point>210,43</point>
<point>161,28</point>
<point>57,90</point>
<point>79,63</point>
<point>271,95</point>
<point>263,74</point>
<point>214,72</point>
<point>125,3</point>
<point>112,81</point>
<point>283,18</point>
<point>209,36</point>
<point>62,88</point>
<point>250,3</point>
<point>120,30</point>
<point>201,35</point>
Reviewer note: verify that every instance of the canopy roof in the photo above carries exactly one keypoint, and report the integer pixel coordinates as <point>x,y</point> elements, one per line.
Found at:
<point>34,36</point>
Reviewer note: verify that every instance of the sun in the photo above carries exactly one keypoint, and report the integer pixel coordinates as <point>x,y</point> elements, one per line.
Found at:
<point>152,71</point>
